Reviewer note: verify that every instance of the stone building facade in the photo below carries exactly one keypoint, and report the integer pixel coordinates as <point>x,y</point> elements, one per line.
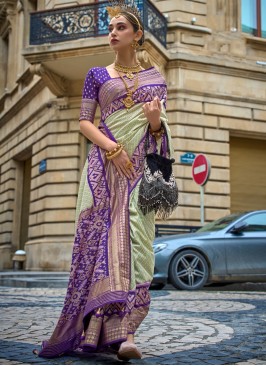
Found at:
<point>216,106</point>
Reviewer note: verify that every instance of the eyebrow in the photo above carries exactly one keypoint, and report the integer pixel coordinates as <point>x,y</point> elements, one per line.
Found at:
<point>118,23</point>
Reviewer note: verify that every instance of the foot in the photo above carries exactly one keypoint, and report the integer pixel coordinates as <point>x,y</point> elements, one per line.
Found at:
<point>128,350</point>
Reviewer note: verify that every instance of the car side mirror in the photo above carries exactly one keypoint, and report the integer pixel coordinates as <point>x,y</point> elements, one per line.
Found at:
<point>238,227</point>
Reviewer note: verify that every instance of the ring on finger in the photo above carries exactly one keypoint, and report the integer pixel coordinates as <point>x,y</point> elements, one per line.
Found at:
<point>129,165</point>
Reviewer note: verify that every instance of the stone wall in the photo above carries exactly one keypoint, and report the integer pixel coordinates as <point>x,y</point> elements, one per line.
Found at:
<point>52,134</point>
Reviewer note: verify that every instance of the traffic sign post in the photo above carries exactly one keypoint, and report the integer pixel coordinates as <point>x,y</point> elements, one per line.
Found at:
<point>202,216</point>
<point>201,169</point>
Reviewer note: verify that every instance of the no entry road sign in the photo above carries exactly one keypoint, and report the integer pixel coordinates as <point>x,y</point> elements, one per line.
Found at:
<point>201,169</point>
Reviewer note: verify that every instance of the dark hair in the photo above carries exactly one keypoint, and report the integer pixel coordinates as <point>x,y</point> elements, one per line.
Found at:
<point>132,20</point>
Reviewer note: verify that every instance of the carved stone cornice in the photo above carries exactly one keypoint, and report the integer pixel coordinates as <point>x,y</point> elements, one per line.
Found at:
<point>189,27</point>
<point>218,66</point>
<point>56,83</point>
<point>59,51</point>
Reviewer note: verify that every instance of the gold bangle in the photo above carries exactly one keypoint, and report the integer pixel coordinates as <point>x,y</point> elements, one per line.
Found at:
<point>114,155</point>
<point>115,152</point>
<point>158,133</point>
<point>109,153</point>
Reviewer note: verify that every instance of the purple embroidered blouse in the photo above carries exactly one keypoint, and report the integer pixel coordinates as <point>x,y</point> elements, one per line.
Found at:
<point>100,88</point>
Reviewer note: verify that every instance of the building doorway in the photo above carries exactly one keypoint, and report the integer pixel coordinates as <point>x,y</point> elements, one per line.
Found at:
<point>25,203</point>
<point>247,174</point>
<point>21,211</point>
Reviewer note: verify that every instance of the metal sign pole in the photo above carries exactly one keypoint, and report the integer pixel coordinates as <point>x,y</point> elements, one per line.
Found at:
<point>202,219</point>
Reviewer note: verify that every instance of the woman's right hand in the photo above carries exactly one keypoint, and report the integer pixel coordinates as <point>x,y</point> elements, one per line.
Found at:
<point>122,162</point>
<point>124,166</point>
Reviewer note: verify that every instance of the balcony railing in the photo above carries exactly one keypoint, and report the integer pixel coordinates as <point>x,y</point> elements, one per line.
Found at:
<point>90,20</point>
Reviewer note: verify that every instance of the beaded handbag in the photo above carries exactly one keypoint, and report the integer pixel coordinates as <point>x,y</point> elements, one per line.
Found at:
<point>158,190</point>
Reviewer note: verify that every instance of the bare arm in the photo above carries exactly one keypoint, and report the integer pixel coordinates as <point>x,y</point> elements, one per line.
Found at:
<point>96,136</point>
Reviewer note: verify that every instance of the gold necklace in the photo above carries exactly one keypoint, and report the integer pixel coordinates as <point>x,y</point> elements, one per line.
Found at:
<point>128,70</point>
<point>128,100</point>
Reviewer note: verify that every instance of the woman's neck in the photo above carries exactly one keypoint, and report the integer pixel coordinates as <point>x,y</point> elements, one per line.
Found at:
<point>128,59</point>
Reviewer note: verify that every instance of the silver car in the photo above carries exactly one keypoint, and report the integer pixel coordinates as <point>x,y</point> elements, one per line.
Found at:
<point>231,249</point>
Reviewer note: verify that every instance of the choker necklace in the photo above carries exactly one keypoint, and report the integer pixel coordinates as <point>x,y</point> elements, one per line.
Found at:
<point>127,70</point>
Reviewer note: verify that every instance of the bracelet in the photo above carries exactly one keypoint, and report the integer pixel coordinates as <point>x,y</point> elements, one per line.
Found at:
<point>115,152</point>
<point>158,133</point>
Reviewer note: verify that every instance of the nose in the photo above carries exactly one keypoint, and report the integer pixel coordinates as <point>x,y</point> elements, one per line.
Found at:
<point>112,33</point>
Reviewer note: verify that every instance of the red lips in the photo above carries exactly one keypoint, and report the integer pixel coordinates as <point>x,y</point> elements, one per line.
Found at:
<point>114,41</point>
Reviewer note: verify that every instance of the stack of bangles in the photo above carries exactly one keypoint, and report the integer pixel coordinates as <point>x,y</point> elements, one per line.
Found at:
<point>115,152</point>
<point>158,133</point>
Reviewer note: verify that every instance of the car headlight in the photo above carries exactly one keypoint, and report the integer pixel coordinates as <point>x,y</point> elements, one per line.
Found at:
<point>159,247</point>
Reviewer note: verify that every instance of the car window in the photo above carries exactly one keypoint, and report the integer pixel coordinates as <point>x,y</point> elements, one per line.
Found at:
<point>220,223</point>
<point>256,222</point>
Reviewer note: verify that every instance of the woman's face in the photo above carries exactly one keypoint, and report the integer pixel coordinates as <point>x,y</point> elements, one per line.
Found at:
<point>121,33</point>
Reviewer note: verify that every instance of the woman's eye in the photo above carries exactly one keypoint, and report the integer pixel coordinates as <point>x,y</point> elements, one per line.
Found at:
<point>121,27</point>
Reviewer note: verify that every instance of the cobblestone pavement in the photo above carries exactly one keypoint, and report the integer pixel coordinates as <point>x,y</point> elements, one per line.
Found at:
<point>188,328</point>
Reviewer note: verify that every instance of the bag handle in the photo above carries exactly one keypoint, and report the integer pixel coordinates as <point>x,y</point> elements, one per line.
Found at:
<point>165,149</point>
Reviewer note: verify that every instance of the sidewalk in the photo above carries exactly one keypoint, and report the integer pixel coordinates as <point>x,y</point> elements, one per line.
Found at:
<point>188,328</point>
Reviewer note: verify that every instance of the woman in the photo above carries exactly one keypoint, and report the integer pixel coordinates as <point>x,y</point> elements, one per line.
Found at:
<point>113,261</point>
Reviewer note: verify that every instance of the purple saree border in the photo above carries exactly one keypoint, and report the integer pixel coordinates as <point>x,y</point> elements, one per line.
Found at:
<point>120,340</point>
<point>114,297</point>
<point>104,299</point>
<point>118,104</point>
<point>145,284</point>
<point>74,338</point>
<point>164,145</point>
<point>120,313</point>
<point>90,156</point>
<point>58,349</point>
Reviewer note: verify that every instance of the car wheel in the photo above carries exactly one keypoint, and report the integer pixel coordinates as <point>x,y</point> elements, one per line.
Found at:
<point>188,270</point>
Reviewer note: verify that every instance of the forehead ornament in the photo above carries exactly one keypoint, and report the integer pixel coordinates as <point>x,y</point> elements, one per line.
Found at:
<point>119,6</point>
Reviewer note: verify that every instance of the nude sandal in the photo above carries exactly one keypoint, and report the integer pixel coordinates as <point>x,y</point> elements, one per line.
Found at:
<point>128,351</point>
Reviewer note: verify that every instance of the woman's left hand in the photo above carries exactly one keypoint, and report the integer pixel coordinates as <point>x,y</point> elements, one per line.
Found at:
<point>152,111</point>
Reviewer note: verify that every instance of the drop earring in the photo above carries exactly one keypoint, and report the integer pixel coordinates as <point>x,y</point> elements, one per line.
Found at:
<point>135,45</point>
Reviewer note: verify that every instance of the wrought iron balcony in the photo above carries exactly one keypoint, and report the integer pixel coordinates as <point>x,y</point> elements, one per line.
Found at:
<point>90,20</point>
